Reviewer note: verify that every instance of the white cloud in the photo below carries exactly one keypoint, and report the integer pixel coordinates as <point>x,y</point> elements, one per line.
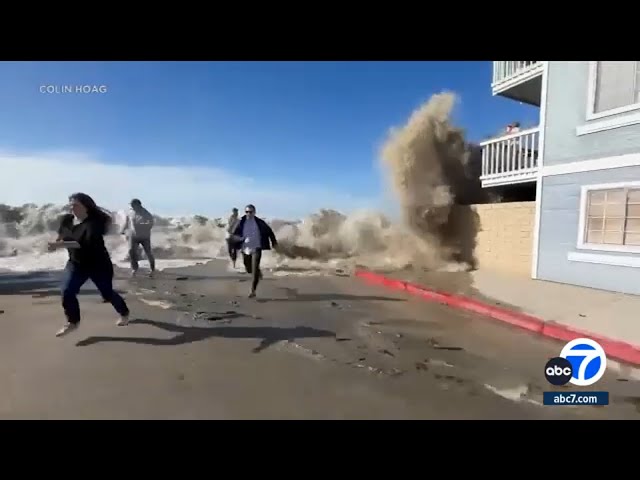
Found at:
<point>166,189</point>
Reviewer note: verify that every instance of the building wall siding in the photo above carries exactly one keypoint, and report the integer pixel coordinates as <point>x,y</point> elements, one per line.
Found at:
<point>566,108</point>
<point>559,219</point>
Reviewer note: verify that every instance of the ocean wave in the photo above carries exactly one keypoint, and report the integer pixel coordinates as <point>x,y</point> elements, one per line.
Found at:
<point>429,166</point>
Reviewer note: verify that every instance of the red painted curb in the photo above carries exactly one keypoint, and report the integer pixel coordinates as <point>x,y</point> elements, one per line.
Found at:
<point>621,351</point>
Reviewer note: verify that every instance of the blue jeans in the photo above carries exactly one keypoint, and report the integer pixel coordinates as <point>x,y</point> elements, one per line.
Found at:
<point>75,277</point>
<point>133,252</point>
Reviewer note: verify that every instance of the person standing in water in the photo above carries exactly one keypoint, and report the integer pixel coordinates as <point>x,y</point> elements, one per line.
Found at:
<point>89,259</point>
<point>139,222</point>
<point>256,237</point>
<point>232,244</point>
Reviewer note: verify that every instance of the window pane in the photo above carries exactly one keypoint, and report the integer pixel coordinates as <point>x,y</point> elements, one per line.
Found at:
<point>596,211</point>
<point>594,236</point>
<point>615,85</point>
<point>616,196</point>
<point>634,196</point>
<point>633,225</point>
<point>632,239</point>
<point>596,197</point>
<point>613,238</point>
<point>615,210</point>
<point>595,223</point>
<point>633,210</point>
<point>613,224</point>
<point>613,216</point>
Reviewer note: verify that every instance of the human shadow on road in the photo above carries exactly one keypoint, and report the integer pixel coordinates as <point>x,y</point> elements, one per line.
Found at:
<point>163,277</point>
<point>39,285</point>
<point>268,335</point>
<point>294,296</point>
<point>27,283</point>
<point>57,293</point>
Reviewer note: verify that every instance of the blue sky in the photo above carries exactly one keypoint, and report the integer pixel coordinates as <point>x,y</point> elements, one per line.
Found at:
<point>190,137</point>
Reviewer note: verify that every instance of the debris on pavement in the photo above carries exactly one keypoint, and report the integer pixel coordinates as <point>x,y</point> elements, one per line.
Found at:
<point>453,349</point>
<point>421,366</point>
<point>439,363</point>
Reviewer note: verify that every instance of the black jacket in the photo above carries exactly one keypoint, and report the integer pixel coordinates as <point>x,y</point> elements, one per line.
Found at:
<point>93,253</point>
<point>266,233</point>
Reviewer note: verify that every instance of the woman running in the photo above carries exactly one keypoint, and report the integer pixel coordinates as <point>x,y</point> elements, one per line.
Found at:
<point>88,260</point>
<point>65,230</point>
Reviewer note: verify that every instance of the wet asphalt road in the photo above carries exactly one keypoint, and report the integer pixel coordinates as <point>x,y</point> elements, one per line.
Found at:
<point>308,347</point>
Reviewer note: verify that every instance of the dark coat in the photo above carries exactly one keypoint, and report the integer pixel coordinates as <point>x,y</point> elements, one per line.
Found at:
<point>266,233</point>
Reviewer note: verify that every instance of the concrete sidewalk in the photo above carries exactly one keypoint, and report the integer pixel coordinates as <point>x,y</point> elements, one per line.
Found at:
<point>564,311</point>
<point>609,314</point>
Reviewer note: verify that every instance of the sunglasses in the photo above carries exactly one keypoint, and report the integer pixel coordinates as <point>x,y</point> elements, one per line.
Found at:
<point>249,211</point>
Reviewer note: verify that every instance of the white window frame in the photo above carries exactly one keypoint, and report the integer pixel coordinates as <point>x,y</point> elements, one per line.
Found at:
<point>591,98</point>
<point>584,195</point>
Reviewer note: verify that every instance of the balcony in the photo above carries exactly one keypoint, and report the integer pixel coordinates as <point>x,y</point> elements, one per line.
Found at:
<point>510,159</point>
<point>518,80</point>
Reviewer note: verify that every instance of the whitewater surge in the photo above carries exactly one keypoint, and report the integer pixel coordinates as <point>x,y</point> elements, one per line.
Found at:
<point>176,241</point>
<point>321,243</point>
<point>429,171</point>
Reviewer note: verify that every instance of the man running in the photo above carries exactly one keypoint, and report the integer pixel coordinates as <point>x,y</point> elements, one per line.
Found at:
<point>139,222</point>
<point>232,244</point>
<point>256,236</point>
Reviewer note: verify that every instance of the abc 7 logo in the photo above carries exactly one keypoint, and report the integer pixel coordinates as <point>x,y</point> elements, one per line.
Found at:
<point>558,371</point>
<point>582,362</point>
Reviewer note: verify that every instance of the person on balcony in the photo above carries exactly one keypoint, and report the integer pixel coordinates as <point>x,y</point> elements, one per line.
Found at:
<point>513,128</point>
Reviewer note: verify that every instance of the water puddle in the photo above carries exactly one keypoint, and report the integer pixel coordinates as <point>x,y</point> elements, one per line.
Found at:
<point>290,346</point>
<point>142,291</point>
<point>439,363</point>
<point>158,303</point>
<point>518,393</point>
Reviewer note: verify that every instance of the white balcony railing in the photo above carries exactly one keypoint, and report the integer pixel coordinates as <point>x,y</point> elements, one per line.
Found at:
<point>506,74</point>
<point>510,159</point>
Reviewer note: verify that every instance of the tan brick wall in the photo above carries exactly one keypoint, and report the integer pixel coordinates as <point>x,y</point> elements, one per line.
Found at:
<point>505,238</point>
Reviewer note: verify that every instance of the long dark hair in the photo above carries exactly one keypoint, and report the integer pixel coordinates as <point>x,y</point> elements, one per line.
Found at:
<point>94,212</point>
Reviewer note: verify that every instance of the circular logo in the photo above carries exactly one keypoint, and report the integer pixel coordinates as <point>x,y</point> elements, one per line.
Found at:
<point>588,361</point>
<point>558,371</point>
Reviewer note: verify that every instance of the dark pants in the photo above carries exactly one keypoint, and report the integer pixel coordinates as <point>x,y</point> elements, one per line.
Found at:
<point>252,265</point>
<point>75,277</point>
<point>233,250</point>
<point>133,252</point>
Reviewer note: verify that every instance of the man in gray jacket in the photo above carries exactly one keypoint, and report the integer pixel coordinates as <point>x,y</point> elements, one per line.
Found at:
<point>139,222</point>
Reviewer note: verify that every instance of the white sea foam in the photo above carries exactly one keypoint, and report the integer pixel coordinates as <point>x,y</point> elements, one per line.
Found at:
<point>428,168</point>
